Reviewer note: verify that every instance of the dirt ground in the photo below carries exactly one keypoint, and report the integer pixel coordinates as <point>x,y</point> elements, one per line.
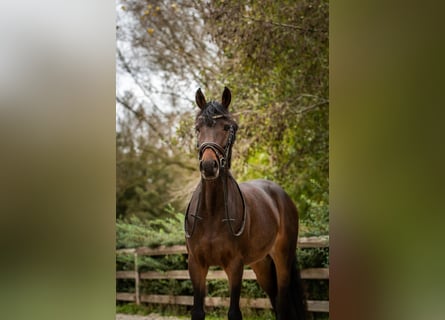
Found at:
<point>152,316</point>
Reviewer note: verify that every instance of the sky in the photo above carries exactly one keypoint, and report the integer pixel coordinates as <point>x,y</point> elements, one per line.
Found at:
<point>125,82</point>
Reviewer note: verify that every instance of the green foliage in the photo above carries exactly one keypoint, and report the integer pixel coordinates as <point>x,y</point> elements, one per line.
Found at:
<point>142,181</point>
<point>132,308</point>
<point>144,310</point>
<point>316,221</point>
<point>276,63</point>
<point>251,289</point>
<point>133,232</point>
<point>310,258</point>
<point>166,287</point>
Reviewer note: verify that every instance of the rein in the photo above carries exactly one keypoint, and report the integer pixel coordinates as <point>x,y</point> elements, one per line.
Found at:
<point>224,156</point>
<point>226,212</point>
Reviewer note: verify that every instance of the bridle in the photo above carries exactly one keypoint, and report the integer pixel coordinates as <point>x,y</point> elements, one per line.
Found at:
<point>224,155</point>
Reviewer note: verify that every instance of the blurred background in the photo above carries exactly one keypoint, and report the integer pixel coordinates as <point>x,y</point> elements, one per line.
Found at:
<point>61,80</point>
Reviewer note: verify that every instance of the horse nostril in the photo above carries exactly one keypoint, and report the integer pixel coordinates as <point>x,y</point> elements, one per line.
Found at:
<point>209,168</point>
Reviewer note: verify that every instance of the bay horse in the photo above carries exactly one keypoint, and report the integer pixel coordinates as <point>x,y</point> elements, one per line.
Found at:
<point>230,225</point>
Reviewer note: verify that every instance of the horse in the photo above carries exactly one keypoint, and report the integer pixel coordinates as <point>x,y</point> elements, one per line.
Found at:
<point>231,225</point>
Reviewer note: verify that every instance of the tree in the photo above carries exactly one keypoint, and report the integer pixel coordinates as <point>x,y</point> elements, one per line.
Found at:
<point>164,46</point>
<point>276,61</point>
<point>150,170</point>
<point>161,48</point>
<point>274,57</point>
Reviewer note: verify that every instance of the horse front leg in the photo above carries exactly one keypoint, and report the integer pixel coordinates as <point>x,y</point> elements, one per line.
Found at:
<point>234,272</point>
<point>198,275</point>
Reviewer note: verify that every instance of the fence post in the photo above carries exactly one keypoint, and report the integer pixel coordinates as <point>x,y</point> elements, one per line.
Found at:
<point>136,278</point>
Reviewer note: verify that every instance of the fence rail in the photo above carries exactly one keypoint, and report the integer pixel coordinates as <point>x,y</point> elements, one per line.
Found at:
<point>310,273</point>
<point>262,303</point>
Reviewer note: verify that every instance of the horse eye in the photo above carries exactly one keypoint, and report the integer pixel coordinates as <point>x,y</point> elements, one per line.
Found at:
<point>227,127</point>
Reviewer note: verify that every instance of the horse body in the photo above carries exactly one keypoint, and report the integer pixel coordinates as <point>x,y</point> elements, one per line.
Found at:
<point>255,242</point>
<point>254,223</point>
<point>264,211</point>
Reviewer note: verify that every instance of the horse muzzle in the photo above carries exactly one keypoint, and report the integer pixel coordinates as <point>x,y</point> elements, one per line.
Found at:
<point>211,160</point>
<point>209,169</point>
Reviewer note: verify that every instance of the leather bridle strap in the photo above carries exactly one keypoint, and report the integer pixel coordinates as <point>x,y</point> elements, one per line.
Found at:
<point>226,209</point>
<point>217,149</point>
<point>223,154</point>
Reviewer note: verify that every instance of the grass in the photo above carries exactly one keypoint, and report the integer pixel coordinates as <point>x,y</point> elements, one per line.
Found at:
<point>183,312</point>
<point>132,308</point>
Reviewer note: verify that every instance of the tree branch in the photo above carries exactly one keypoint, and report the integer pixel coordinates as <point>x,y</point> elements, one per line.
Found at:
<point>142,117</point>
<point>313,106</point>
<point>135,78</point>
<point>278,24</point>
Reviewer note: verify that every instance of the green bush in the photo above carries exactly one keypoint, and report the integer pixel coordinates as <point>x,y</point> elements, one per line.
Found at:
<point>133,232</point>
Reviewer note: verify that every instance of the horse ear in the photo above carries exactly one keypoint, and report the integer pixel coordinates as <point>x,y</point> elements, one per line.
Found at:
<point>200,99</point>
<point>226,97</point>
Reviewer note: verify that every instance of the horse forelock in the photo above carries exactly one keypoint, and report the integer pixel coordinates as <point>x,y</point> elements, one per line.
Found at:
<point>212,111</point>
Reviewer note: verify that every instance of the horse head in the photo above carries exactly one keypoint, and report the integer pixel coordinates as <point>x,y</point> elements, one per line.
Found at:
<point>216,130</point>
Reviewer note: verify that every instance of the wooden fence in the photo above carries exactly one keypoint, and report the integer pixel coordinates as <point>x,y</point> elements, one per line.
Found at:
<point>263,303</point>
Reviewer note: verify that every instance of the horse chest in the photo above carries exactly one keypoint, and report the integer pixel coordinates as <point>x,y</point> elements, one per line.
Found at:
<point>213,250</point>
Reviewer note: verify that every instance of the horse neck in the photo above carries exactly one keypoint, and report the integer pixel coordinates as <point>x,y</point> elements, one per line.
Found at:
<point>212,195</point>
